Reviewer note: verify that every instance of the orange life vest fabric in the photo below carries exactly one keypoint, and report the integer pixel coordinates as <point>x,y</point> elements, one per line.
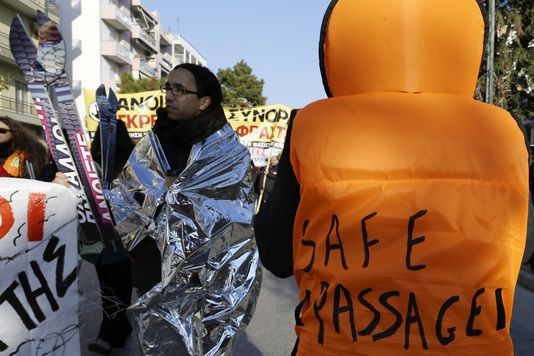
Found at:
<point>413,205</point>
<point>13,165</point>
<point>416,204</point>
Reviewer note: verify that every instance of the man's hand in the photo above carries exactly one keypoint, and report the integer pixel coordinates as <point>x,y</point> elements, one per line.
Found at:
<point>61,178</point>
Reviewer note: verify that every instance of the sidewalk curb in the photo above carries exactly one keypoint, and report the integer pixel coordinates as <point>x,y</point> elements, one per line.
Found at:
<point>526,278</point>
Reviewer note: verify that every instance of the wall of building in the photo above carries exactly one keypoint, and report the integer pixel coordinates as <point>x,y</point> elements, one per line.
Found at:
<point>15,101</point>
<point>83,30</point>
<point>80,25</point>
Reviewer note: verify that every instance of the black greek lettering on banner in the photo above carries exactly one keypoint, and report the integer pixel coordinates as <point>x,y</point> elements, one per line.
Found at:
<point>50,254</point>
<point>33,293</point>
<point>9,295</point>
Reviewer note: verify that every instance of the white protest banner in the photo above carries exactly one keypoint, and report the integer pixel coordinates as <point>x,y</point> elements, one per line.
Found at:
<point>262,129</point>
<point>39,258</point>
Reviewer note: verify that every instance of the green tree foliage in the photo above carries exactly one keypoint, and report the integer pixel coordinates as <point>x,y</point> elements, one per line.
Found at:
<point>131,85</point>
<point>240,87</point>
<point>514,58</point>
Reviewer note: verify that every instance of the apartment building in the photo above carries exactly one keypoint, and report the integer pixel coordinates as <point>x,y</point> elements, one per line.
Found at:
<point>110,37</point>
<point>104,38</point>
<point>184,52</point>
<point>15,100</point>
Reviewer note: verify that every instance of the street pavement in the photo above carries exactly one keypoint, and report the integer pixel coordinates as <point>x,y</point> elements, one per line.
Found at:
<point>271,330</point>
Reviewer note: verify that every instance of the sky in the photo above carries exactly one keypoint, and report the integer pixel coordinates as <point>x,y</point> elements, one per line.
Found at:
<point>279,40</point>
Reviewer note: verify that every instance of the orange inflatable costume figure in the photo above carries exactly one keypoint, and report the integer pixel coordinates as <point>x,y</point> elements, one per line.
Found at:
<point>412,218</point>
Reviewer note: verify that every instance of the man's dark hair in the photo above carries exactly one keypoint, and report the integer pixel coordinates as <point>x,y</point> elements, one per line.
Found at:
<point>207,83</point>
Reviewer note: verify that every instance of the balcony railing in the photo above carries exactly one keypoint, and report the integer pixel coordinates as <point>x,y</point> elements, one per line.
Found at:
<point>53,8</point>
<point>40,3</point>
<point>124,15</point>
<point>165,39</point>
<point>5,49</point>
<point>28,7</point>
<point>20,107</point>
<point>179,59</point>
<point>144,38</point>
<point>165,68</point>
<point>147,68</point>
<point>4,41</point>
<point>146,13</point>
<point>123,51</point>
<point>148,37</point>
<point>116,52</point>
<point>167,58</point>
<point>117,17</point>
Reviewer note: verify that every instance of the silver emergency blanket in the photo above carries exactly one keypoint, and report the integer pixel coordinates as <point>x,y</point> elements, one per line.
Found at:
<point>202,225</point>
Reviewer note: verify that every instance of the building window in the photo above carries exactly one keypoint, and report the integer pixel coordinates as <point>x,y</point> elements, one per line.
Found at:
<point>21,93</point>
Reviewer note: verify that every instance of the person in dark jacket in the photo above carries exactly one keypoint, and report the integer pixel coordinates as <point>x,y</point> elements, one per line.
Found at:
<point>391,161</point>
<point>274,222</point>
<point>124,146</point>
<point>113,266</point>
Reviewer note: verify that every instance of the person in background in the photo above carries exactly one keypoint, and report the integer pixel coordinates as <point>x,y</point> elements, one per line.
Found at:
<point>266,179</point>
<point>400,205</point>
<point>183,206</point>
<point>124,147</point>
<point>22,153</point>
<point>113,265</point>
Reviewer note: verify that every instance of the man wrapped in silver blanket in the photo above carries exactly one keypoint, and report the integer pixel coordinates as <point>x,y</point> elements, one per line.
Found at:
<point>183,206</point>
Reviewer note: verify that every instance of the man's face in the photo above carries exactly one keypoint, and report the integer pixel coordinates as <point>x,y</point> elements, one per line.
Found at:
<point>183,104</point>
